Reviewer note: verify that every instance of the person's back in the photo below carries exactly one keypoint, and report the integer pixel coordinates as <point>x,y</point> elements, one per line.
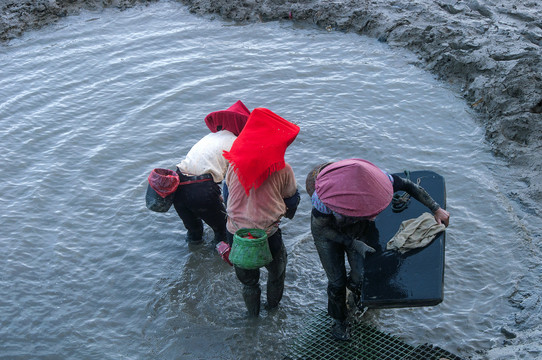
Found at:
<point>261,190</point>
<point>264,206</point>
<point>205,157</point>
<point>198,196</point>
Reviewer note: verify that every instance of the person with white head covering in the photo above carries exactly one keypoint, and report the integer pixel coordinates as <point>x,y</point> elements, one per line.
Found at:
<point>198,197</point>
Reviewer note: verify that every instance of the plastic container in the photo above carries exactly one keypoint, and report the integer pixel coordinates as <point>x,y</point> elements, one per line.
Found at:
<point>224,251</point>
<point>250,249</point>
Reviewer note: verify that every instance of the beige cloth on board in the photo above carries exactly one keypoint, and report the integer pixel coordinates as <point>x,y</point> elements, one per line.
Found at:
<point>415,233</point>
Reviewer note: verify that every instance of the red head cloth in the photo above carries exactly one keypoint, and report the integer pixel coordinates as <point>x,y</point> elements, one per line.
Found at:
<point>232,119</point>
<point>259,150</point>
<point>354,187</point>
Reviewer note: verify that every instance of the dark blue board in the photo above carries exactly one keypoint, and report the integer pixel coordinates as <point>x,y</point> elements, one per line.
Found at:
<point>415,278</point>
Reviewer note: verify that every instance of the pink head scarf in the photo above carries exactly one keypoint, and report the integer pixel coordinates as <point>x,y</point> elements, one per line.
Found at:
<point>232,119</point>
<point>354,187</point>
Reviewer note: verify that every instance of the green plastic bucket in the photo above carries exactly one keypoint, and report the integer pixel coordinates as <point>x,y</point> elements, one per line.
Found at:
<point>250,253</point>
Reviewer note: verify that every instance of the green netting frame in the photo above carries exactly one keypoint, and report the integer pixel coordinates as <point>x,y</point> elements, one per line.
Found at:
<point>367,343</point>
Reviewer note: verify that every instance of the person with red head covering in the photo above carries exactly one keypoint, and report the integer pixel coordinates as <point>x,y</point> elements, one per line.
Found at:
<point>198,196</point>
<point>261,190</point>
<point>346,197</point>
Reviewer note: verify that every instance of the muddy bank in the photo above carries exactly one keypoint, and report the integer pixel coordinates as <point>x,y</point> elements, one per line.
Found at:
<point>489,51</point>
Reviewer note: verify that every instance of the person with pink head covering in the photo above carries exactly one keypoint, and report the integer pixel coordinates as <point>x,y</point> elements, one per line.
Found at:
<point>198,197</point>
<point>346,197</point>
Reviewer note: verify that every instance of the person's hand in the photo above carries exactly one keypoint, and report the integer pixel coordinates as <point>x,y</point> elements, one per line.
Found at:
<point>362,248</point>
<point>442,216</point>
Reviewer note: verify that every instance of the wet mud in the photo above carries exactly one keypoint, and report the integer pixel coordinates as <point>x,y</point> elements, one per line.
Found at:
<point>489,51</point>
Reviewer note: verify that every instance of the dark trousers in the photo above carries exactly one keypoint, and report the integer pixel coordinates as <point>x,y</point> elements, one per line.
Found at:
<point>199,202</point>
<point>275,279</point>
<point>332,257</point>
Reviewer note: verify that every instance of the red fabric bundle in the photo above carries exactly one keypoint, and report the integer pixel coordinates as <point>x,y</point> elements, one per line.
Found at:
<point>259,150</point>
<point>354,187</point>
<point>163,181</point>
<point>232,119</point>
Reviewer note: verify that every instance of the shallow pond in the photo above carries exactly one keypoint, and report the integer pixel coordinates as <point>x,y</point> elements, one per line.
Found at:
<point>90,105</point>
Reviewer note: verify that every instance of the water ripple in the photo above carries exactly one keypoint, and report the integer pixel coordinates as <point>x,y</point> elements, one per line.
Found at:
<point>90,105</point>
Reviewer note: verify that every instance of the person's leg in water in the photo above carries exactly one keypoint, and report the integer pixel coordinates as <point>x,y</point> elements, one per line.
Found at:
<point>276,270</point>
<point>251,289</point>
<point>198,202</point>
<point>332,258</point>
<point>193,224</point>
<point>355,277</point>
<point>213,211</point>
<point>366,232</point>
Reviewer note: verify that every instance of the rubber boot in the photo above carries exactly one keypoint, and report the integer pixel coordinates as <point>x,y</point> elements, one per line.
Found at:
<point>194,237</point>
<point>273,300</point>
<point>251,295</point>
<point>357,301</point>
<point>275,290</point>
<point>275,280</point>
<point>340,330</point>
<point>356,292</point>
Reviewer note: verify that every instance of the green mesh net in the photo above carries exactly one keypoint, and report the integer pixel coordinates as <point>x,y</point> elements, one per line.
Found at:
<point>366,343</point>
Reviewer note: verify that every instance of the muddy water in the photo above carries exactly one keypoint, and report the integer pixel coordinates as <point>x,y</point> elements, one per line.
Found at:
<point>90,105</point>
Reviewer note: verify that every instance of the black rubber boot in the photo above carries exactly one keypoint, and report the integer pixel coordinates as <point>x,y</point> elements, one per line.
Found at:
<point>251,295</point>
<point>357,302</point>
<point>356,292</point>
<point>193,237</point>
<point>275,290</point>
<point>274,295</point>
<point>340,330</point>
